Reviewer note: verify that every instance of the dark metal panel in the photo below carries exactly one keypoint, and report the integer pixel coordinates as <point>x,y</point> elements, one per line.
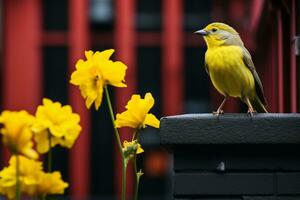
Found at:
<point>271,198</point>
<point>288,183</point>
<point>224,158</point>
<point>223,184</point>
<point>259,198</point>
<point>198,129</point>
<point>209,198</point>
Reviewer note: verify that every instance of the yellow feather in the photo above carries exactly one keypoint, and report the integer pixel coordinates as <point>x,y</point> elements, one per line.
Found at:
<point>228,72</point>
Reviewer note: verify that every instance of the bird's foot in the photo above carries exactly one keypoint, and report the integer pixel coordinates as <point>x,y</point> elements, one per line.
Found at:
<point>251,111</point>
<point>218,112</point>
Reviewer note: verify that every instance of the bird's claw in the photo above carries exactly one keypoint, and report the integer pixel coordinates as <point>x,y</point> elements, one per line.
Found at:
<point>218,112</point>
<point>251,111</point>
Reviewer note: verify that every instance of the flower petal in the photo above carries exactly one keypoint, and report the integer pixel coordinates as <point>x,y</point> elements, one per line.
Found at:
<point>125,119</point>
<point>114,73</point>
<point>139,149</point>
<point>106,54</point>
<point>151,120</point>
<point>88,54</point>
<point>98,99</point>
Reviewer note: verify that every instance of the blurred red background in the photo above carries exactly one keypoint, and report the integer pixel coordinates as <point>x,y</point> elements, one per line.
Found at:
<point>41,41</point>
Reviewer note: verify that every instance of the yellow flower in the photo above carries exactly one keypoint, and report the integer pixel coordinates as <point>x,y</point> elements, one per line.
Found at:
<point>16,132</point>
<point>8,182</point>
<point>48,183</point>
<point>136,115</point>
<point>58,121</point>
<point>33,181</point>
<point>94,73</point>
<point>27,170</point>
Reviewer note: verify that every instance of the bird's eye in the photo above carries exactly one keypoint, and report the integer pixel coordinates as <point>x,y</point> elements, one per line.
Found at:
<point>214,30</point>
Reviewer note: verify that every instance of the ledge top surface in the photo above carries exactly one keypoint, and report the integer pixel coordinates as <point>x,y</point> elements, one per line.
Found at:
<point>262,128</point>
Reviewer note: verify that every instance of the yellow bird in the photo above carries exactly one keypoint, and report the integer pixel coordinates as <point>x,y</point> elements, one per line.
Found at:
<point>230,67</point>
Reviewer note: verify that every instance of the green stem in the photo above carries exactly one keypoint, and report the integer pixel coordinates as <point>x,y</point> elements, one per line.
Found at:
<point>49,153</point>
<point>18,191</point>
<point>137,179</point>
<point>134,135</point>
<point>124,170</point>
<point>124,165</point>
<point>112,116</point>
<point>41,197</point>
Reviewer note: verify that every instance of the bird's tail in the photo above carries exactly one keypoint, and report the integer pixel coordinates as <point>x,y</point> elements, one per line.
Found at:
<point>258,106</point>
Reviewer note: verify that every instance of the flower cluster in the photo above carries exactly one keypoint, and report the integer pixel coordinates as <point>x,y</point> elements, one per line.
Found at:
<point>33,180</point>
<point>92,76</point>
<point>52,124</point>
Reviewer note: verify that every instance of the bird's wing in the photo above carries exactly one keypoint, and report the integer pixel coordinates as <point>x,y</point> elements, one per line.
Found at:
<point>249,63</point>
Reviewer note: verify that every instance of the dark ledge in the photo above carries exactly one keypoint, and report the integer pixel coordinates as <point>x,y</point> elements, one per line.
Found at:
<point>270,128</point>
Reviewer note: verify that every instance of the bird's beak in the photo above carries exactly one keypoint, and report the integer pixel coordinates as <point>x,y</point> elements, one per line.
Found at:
<point>201,32</point>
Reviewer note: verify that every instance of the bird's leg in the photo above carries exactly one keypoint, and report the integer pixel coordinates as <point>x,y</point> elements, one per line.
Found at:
<point>219,110</point>
<point>250,107</point>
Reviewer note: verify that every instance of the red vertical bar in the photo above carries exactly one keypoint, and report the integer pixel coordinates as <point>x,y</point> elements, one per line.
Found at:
<point>256,11</point>
<point>125,44</point>
<point>79,163</point>
<point>22,55</point>
<point>270,76</point>
<point>280,74</point>
<point>22,79</point>
<point>172,63</point>
<point>293,71</point>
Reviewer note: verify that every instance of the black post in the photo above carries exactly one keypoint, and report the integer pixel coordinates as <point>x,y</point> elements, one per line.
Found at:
<point>234,157</point>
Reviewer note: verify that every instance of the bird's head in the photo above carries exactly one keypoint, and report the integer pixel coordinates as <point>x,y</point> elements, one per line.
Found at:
<point>219,34</point>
